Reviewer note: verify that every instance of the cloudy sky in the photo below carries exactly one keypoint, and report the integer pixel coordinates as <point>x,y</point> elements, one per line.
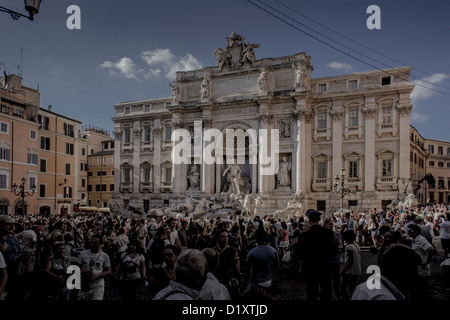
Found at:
<point>131,50</point>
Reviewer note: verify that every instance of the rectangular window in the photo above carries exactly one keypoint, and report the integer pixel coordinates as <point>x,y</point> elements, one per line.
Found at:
<point>44,122</point>
<point>386,81</point>
<point>431,163</point>
<point>168,174</point>
<point>32,158</point>
<point>168,133</point>
<point>67,169</point>
<point>31,182</point>
<point>104,160</point>
<point>147,108</point>
<point>99,160</point>
<point>322,87</point>
<point>126,175</point>
<point>147,135</point>
<point>322,120</point>
<point>353,118</point>
<point>127,110</point>
<point>83,183</point>
<point>111,187</point>
<point>97,187</point>
<point>45,143</point>
<point>4,154</point>
<point>18,112</point>
<point>146,176</point>
<point>4,108</point>
<point>32,135</point>
<point>90,188</point>
<point>3,180</point>
<point>322,170</point>
<point>440,164</point>
<point>103,187</point>
<point>127,136</point>
<point>67,192</point>
<point>43,165</point>
<point>69,148</point>
<point>386,168</point>
<point>68,129</point>
<point>353,84</point>
<point>99,173</point>
<point>83,151</point>
<point>4,127</point>
<point>42,190</point>
<point>387,115</point>
<point>431,148</point>
<point>441,150</point>
<point>90,174</point>
<point>353,170</point>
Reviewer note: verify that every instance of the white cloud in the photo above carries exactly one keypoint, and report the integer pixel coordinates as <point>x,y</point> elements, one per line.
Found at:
<point>421,90</point>
<point>340,66</point>
<point>124,66</point>
<point>169,63</point>
<point>161,62</point>
<point>419,117</point>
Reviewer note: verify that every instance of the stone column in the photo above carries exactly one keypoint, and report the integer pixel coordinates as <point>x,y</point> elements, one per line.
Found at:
<point>337,115</point>
<point>404,112</point>
<point>370,164</point>
<point>208,174</point>
<point>156,131</point>
<point>302,117</point>
<point>117,147</point>
<point>136,156</point>
<point>179,170</point>
<point>266,182</point>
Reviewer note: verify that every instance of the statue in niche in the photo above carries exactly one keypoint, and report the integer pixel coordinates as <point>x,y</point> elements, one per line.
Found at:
<point>263,80</point>
<point>300,76</point>
<point>175,91</point>
<point>233,172</point>
<point>283,173</point>
<point>204,89</point>
<point>194,177</point>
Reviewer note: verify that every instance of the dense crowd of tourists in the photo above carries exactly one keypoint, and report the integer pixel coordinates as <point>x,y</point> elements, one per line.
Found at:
<point>223,258</point>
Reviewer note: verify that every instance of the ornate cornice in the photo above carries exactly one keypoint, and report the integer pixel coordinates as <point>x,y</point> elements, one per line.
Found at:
<point>265,117</point>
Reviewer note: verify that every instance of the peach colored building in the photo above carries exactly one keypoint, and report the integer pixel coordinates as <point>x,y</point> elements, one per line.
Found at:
<point>101,175</point>
<point>19,145</point>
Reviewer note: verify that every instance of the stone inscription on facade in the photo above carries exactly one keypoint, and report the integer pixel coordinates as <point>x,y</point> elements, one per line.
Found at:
<point>235,86</point>
<point>235,111</point>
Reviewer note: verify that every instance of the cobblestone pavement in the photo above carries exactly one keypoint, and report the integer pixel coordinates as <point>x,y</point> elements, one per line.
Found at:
<point>288,288</point>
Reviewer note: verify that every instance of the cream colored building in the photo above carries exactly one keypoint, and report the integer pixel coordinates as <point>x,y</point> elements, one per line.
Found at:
<point>360,122</point>
<point>438,164</point>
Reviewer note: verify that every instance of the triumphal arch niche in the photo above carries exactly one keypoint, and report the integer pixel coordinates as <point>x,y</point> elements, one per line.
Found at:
<point>288,135</point>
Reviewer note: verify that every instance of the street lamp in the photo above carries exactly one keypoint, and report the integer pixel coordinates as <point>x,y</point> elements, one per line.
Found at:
<point>32,6</point>
<point>338,187</point>
<point>22,193</point>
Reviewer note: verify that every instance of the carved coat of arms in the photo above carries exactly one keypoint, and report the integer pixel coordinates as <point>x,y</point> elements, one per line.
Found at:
<point>236,54</point>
